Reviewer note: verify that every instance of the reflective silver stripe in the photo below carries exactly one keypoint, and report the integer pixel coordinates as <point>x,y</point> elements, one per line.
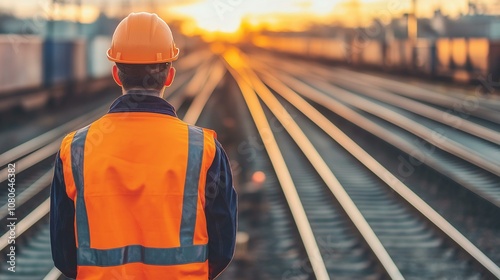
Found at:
<point>190,200</point>
<point>146,255</point>
<point>77,154</point>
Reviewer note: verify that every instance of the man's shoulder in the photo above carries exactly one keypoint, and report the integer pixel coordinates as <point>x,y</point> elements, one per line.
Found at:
<point>206,131</point>
<point>210,132</point>
<point>69,137</point>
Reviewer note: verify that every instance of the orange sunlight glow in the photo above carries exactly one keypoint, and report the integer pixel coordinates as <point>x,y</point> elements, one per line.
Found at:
<point>229,19</point>
<point>226,18</point>
<point>71,12</point>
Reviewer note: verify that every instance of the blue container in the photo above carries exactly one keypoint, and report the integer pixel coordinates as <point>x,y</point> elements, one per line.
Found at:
<point>57,62</point>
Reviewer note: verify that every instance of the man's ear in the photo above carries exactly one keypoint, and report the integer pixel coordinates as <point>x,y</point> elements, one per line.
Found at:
<point>170,77</point>
<point>114,71</point>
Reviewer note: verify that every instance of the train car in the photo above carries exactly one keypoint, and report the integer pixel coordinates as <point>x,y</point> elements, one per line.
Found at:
<point>372,54</point>
<point>492,75</point>
<point>297,47</point>
<point>443,56</point>
<point>287,45</point>
<point>425,51</point>
<point>40,70</point>
<point>460,68</point>
<point>64,67</point>
<point>479,52</point>
<point>80,66</point>
<point>22,72</point>
<point>467,59</point>
<point>333,49</point>
<point>337,49</point>
<point>260,41</point>
<point>399,55</point>
<point>318,47</point>
<point>21,63</point>
<point>460,59</point>
<point>98,64</point>
<point>99,67</point>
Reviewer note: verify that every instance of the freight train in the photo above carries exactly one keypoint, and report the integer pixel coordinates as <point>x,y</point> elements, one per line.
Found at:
<point>458,59</point>
<point>36,71</point>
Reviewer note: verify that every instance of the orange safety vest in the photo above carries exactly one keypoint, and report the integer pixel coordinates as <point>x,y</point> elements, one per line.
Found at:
<point>138,185</point>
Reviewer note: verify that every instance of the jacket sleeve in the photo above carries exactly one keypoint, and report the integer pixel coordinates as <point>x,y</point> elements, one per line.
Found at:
<point>221,213</point>
<point>62,215</point>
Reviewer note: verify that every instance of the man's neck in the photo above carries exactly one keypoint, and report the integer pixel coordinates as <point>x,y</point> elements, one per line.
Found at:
<point>152,92</point>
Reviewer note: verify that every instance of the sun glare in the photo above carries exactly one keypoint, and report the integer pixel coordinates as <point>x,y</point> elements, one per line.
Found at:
<point>71,12</point>
<point>212,18</point>
<point>209,17</point>
<point>227,17</point>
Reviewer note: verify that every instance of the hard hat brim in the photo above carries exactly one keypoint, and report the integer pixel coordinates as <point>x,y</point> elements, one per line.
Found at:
<point>125,61</point>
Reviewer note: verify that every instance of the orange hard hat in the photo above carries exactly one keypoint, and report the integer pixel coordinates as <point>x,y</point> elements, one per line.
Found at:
<point>142,38</point>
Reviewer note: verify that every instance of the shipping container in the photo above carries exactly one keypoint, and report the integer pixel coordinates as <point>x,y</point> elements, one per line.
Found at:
<point>21,58</point>
<point>443,52</point>
<point>372,53</point>
<point>99,65</point>
<point>478,52</point>
<point>425,51</point>
<point>58,62</point>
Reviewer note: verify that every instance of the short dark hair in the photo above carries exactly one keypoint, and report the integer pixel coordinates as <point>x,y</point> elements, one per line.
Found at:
<point>146,76</point>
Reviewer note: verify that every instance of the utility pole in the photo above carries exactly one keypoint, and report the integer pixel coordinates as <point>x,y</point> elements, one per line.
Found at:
<point>79,16</point>
<point>413,32</point>
<point>471,7</point>
<point>413,23</point>
<point>51,19</point>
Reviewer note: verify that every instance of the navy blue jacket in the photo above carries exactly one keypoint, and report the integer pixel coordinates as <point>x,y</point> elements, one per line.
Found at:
<point>220,207</point>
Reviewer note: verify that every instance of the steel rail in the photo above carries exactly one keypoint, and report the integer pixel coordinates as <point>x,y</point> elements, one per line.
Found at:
<point>405,123</point>
<point>376,168</point>
<point>430,96</point>
<point>36,215</point>
<point>419,108</point>
<point>411,126</point>
<point>372,127</point>
<point>45,138</point>
<point>325,173</point>
<point>29,192</point>
<point>282,172</point>
<point>217,72</point>
<point>411,91</point>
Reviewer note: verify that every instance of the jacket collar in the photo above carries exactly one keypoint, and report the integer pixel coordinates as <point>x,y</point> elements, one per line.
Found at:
<point>135,101</point>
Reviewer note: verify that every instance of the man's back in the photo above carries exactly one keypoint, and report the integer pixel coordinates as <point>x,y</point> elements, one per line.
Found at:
<point>139,194</point>
<point>138,177</point>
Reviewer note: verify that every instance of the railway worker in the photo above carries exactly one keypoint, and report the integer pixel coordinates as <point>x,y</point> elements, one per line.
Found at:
<point>139,194</point>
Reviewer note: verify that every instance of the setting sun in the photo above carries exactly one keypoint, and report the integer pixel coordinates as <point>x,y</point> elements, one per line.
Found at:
<point>228,16</point>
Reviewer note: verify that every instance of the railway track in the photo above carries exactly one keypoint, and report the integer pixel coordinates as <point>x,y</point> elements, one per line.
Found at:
<point>35,158</point>
<point>466,195</point>
<point>413,239</point>
<point>472,162</point>
<point>338,210</point>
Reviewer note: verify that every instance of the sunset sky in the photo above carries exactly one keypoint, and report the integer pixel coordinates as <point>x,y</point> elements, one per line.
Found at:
<point>227,15</point>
